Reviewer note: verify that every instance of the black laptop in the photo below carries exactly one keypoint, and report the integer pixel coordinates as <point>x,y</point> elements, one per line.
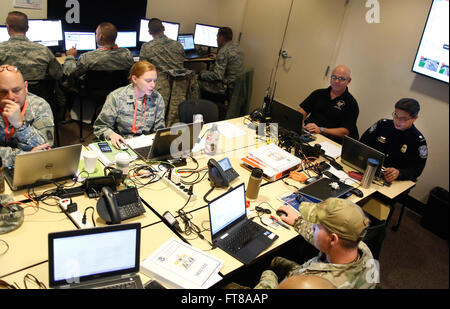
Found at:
<point>173,142</point>
<point>232,231</point>
<point>187,40</point>
<point>98,258</point>
<point>325,188</point>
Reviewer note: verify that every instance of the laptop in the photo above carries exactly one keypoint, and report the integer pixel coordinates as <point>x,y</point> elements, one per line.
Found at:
<point>325,188</point>
<point>96,258</point>
<point>232,231</point>
<point>187,40</point>
<point>32,169</point>
<point>172,142</point>
<point>355,154</point>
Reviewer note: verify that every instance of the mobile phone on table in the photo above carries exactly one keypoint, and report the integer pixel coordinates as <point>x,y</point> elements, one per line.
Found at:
<point>104,147</point>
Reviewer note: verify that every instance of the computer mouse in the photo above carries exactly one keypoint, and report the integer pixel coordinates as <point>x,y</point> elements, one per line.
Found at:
<point>357,192</point>
<point>281,213</point>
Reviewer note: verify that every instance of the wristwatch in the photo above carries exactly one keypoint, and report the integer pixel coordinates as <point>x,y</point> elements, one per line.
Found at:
<point>322,129</point>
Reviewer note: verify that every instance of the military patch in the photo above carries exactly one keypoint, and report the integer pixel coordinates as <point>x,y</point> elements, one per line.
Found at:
<point>404,148</point>
<point>339,105</point>
<point>373,127</point>
<point>423,151</point>
<point>381,139</point>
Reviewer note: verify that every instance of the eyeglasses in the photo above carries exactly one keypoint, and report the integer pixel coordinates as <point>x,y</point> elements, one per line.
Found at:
<point>9,68</point>
<point>401,119</point>
<point>33,279</point>
<point>341,79</point>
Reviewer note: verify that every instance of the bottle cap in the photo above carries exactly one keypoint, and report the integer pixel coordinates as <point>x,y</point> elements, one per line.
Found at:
<point>372,162</point>
<point>257,172</point>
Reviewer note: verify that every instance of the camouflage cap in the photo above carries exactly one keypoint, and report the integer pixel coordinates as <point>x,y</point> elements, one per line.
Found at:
<point>339,216</point>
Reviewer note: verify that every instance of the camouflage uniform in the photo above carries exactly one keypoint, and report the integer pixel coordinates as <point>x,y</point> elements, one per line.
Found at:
<point>354,275</point>
<point>164,53</point>
<point>37,130</point>
<point>228,66</point>
<point>118,113</point>
<point>99,60</point>
<point>5,199</point>
<point>35,61</point>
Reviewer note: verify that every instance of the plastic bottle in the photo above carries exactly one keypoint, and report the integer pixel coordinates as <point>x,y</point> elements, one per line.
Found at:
<point>212,140</point>
<point>2,177</point>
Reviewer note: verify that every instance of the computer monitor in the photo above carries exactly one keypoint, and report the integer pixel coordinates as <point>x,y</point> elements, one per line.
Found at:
<point>46,32</point>
<point>126,39</point>
<point>355,154</point>
<point>4,36</point>
<point>206,35</point>
<point>286,117</point>
<point>171,30</point>
<point>80,40</point>
<point>187,40</point>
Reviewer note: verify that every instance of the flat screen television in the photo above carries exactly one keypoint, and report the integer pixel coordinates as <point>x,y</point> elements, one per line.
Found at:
<point>432,55</point>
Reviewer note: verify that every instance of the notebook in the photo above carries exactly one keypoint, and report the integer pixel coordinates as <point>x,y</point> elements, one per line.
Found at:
<point>173,142</point>
<point>32,169</point>
<point>187,40</point>
<point>96,258</point>
<point>229,223</point>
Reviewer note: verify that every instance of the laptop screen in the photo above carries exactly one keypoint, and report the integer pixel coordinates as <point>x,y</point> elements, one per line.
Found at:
<point>80,255</point>
<point>227,208</point>
<point>80,40</point>
<point>286,117</point>
<point>187,40</point>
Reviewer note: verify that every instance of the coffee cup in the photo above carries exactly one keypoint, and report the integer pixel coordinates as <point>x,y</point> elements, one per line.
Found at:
<point>123,162</point>
<point>90,161</point>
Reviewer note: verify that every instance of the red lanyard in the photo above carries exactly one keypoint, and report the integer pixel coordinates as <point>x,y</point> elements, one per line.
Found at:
<point>8,134</point>
<point>134,128</point>
<point>105,48</point>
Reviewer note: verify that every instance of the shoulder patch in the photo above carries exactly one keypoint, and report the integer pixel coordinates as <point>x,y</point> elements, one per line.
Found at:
<point>423,151</point>
<point>373,127</point>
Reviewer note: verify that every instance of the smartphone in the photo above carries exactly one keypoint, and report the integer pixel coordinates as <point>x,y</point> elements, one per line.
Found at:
<point>104,147</point>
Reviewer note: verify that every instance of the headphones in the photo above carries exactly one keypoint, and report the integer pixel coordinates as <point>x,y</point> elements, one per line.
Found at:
<point>115,173</point>
<point>11,218</point>
<point>257,115</point>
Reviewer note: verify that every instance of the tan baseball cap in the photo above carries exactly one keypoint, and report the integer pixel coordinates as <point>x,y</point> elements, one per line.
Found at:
<point>339,216</point>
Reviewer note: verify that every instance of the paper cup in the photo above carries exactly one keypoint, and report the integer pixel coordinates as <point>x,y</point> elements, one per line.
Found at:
<point>123,162</point>
<point>90,161</point>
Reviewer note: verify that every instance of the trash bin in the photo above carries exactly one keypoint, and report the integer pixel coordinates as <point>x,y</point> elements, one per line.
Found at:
<point>436,216</point>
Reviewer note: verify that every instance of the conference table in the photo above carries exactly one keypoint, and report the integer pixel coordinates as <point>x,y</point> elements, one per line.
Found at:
<point>27,251</point>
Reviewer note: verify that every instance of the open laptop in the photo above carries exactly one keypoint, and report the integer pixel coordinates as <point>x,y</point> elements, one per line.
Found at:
<point>187,40</point>
<point>232,231</point>
<point>96,258</point>
<point>32,169</point>
<point>325,188</point>
<point>355,154</point>
<point>173,142</point>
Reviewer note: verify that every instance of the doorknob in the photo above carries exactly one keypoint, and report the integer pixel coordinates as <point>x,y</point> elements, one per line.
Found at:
<point>285,55</point>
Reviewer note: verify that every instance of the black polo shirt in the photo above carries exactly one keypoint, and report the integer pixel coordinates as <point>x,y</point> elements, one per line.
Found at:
<point>342,112</point>
<point>405,150</point>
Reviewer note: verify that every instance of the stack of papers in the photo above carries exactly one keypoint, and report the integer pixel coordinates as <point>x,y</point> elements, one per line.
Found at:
<point>181,266</point>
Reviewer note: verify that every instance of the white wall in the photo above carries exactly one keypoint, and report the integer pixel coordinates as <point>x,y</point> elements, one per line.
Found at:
<point>7,5</point>
<point>380,57</point>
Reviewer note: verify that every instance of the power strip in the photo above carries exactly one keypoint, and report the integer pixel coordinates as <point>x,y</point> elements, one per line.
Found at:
<point>181,189</point>
<point>76,216</point>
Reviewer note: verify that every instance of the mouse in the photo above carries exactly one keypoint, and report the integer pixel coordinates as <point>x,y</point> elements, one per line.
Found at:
<point>281,213</point>
<point>357,192</point>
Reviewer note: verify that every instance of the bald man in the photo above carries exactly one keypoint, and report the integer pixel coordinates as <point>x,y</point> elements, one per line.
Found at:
<point>305,282</point>
<point>332,111</point>
<point>27,120</point>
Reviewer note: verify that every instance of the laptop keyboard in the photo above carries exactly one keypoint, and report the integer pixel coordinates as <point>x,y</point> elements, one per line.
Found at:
<point>143,151</point>
<point>123,285</point>
<point>247,233</point>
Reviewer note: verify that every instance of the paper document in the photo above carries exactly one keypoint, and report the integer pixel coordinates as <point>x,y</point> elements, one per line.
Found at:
<point>331,149</point>
<point>230,130</point>
<point>140,141</point>
<point>179,265</point>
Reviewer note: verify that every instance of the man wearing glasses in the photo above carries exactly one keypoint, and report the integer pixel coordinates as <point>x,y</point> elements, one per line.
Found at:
<point>332,111</point>
<point>404,146</point>
<point>26,122</point>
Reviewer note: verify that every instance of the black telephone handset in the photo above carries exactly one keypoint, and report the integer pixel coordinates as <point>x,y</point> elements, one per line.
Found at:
<point>113,207</point>
<point>221,173</point>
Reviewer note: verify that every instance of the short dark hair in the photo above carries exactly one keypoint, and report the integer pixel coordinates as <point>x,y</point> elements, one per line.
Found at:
<point>17,21</point>
<point>226,33</point>
<point>411,106</point>
<point>155,26</point>
<point>109,32</point>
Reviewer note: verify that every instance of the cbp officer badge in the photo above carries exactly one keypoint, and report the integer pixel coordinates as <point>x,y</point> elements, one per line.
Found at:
<point>381,139</point>
<point>423,151</point>
<point>340,104</point>
<point>404,147</point>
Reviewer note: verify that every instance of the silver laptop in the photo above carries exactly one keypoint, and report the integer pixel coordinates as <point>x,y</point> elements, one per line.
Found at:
<point>33,169</point>
<point>96,258</point>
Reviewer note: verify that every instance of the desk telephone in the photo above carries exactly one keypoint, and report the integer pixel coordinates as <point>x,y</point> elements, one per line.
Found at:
<point>113,207</point>
<point>221,173</point>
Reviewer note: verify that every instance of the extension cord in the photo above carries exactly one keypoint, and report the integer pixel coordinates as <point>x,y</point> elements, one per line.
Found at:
<point>178,188</point>
<point>76,216</point>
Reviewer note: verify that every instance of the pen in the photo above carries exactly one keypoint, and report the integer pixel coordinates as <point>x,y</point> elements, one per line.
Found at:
<point>280,222</point>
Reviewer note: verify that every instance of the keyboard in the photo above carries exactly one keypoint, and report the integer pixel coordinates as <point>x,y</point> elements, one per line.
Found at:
<point>248,232</point>
<point>123,285</point>
<point>143,151</point>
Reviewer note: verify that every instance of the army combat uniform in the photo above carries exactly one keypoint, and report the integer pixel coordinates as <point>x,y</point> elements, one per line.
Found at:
<point>37,129</point>
<point>164,53</point>
<point>405,150</point>
<point>228,66</point>
<point>118,113</point>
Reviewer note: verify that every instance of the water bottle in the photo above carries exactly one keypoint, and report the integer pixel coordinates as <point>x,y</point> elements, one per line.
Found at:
<point>212,140</point>
<point>371,168</point>
<point>254,183</point>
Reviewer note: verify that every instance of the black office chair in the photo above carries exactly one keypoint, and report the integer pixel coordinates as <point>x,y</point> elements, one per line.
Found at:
<point>95,87</point>
<point>375,235</point>
<point>187,109</point>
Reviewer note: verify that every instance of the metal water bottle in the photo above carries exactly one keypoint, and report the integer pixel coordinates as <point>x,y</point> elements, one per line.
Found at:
<point>371,168</point>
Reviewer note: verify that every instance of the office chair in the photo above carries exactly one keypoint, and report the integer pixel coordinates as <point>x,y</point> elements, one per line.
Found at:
<point>95,87</point>
<point>189,108</point>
